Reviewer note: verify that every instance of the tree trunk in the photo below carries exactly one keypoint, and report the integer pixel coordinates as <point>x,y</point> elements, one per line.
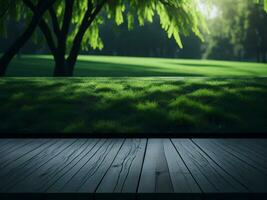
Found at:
<point>13,50</point>
<point>264,56</point>
<point>20,42</point>
<point>71,67</point>
<point>60,69</point>
<point>258,55</point>
<point>86,22</point>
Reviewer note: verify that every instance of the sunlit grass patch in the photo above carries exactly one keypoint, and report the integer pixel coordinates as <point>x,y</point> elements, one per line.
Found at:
<point>17,96</point>
<point>28,108</point>
<point>188,104</point>
<point>79,126</point>
<point>161,88</point>
<point>182,120</point>
<point>204,93</point>
<point>147,106</point>
<point>108,87</point>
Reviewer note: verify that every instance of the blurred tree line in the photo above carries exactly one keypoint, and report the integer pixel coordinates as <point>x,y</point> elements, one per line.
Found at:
<point>239,32</point>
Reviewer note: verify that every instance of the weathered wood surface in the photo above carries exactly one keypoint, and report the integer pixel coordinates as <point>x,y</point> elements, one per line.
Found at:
<point>133,165</point>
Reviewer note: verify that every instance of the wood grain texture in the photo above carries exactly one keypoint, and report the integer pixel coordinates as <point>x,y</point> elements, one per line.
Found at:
<point>87,178</point>
<point>243,154</point>
<point>123,176</point>
<point>11,180</point>
<point>155,176</point>
<point>133,165</point>
<point>251,178</point>
<point>210,176</point>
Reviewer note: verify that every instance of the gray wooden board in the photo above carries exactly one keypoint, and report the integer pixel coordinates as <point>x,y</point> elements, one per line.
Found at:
<point>19,163</point>
<point>16,170</point>
<point>10,181</point>
<point>59,184</point>
<point>7,159</point>
<point>76,158</point>
<point>90,175</point>
<point>123,175</point>
<point>155,176</point>
<point>91,169</point>
<point>14,145</point>
<point>244,155</point>
<point>251,178</point>
<point>133,165</point>
<point>253,145</point>
<point>182,179</point>
<point>210,176</point>
<point>248,149</point>
<point>4,143</point>
<point>49,169</point>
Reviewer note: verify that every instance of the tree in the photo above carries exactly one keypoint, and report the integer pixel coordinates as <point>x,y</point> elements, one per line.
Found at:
<point>256,37</point>
<point>40,8</point>
<point>71,25</point>
<point>238,32</point>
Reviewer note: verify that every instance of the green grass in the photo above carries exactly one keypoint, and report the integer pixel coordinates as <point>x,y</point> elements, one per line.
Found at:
<point>106,66</point>
<point>135,95</point>
<point>133,105</point>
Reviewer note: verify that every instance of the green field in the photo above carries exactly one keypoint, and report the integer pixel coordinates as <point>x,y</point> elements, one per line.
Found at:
<point>135,95</point>
<point>106,66</point>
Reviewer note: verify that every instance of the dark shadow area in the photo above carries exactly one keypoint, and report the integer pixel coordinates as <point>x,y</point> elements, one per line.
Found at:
<point>197,65</point>
<point>43,67</point>
<point>109,69</point>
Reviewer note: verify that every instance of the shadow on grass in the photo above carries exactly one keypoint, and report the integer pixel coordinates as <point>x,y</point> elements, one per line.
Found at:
<point>226,67</point>
<point>133,105</point>
<point>197,64</point>
<point>43,67</point>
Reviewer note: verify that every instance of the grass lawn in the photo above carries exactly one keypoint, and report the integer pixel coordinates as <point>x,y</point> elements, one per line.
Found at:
<point>135,95</point>
<point>106,66</point>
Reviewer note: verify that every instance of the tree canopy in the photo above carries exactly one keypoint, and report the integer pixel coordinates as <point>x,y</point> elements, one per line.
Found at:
<point>71,25</point>
<point>74,24</point>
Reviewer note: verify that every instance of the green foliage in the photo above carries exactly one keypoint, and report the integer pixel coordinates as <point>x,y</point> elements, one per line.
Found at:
<point>176,17</point>
<point>263,2</point>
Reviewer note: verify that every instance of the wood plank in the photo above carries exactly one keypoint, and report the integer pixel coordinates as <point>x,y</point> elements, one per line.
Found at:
<point>14,145</point>
<point>24,160</point>
<point>253,179</point>
<point>155,176</point>
<point>79,155</point>
<point>251,145</point>
<point>47,171</point>
<point>243,154</point>
<point>9,181</point>
<point>91,172</point>
<point>4,142</point>
<point>22,151</point>
<point>123,176</point>
<point>182,179</point>
<point>66,176</point>
<point>209,176</point>
<point>133,165</point>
